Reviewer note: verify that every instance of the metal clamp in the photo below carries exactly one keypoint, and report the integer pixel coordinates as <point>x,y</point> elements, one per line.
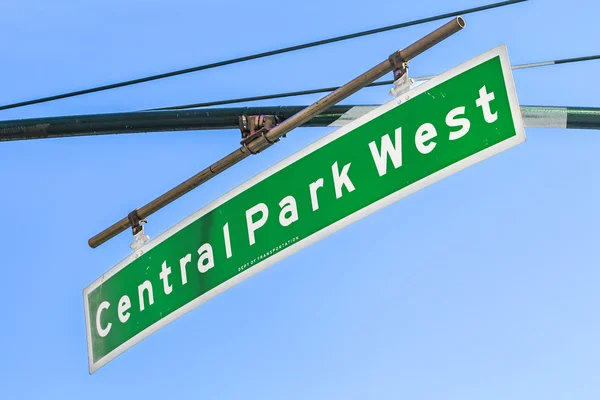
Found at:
<point>136,222</point>
<point>254,126</point>
<point>402,82</point>
<point>399,64</point>
<point>139,237</point>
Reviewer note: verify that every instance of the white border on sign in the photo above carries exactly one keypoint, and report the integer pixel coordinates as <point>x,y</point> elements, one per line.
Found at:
<point>443,173</point>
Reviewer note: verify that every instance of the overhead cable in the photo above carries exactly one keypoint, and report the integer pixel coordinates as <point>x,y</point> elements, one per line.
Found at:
<point>330,89</point>
<point>258,55</point>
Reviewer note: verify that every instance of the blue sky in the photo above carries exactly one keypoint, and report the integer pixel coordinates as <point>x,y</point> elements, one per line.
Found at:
<point>484,285</point>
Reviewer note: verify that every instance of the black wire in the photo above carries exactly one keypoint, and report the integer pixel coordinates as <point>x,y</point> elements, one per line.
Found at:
<point>263,97</point>
<point>331,89</point>
<point>256,56</point>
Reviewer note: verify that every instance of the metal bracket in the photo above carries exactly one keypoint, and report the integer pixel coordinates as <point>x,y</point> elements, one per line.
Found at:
<point>255,126</point>
<point>139,236</point>
<point>402,82</point>
<point>399,64</point>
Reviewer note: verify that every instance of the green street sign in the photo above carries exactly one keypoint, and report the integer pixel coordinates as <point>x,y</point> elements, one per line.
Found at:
<point>433,131</point>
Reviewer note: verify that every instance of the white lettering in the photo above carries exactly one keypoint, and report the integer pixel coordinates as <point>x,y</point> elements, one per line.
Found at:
<point>425,133</point>
<point>206,260</point>
<point>288,206</point>
<point>124,305</point>
<point>147,286</point>
<point>394,151</point>
<point>313,187</point>
<point>164,276</point>
<point>102,331</point>
<point>252,225</point>
<point>227,240</point>
<point>341,179</point>
<point>182,266</point>
<point>484,102</point>
<point>452,122</point>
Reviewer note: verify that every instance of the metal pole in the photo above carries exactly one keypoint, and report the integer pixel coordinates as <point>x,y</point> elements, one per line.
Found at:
<point>395,61</point>
<point>228,118</point>
<point>151,121</point>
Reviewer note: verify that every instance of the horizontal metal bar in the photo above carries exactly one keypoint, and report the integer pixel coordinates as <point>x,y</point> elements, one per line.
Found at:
<point>561,117</point>
<point>228,118</point>
<point>155,121</point>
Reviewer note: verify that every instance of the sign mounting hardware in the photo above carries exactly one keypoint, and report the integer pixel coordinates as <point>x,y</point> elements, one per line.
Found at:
<point>137,229</point>
<point>402,82</point>
<point>255,126</point>
<point>266,139</point>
